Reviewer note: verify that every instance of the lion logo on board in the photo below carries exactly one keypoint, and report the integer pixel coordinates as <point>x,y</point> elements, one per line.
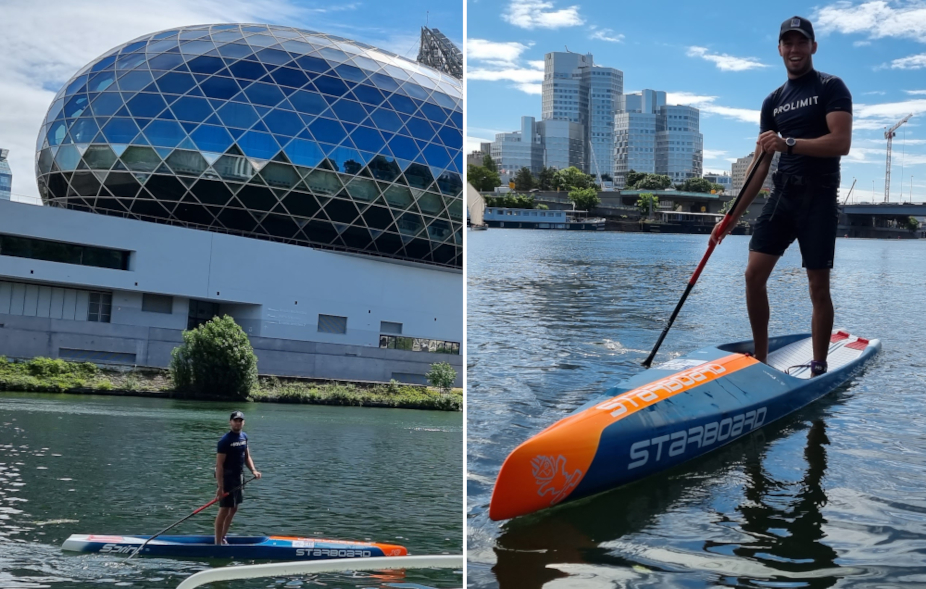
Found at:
<point>551,477</point>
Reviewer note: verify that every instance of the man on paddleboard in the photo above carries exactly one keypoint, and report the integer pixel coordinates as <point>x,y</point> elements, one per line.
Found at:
<point>809,120</point>
<point>231,458</point>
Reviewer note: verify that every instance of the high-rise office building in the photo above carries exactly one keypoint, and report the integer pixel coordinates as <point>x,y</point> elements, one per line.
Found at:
<point>563,144</point>
<point>740,168</point>
<point>653,137</point>
<point>519,149</point>
<point>6,176</point>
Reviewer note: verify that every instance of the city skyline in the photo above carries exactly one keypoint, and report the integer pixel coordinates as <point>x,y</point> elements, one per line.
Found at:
<point>706,57</point>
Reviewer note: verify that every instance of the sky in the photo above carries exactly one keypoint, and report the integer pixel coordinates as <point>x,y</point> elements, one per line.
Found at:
<point>47,42</point>
<point>720,56</point>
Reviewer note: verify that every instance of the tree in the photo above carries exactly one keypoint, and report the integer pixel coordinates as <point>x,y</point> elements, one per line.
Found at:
<point>482,179</point>
<point>547,179</point>
<point>511,201</point>
<point>523,180</point>
<point>572,178</point>
<point>216,358</point>
<point>653,182</point>
<point>489,164</point>
<point>585,199</point>
<point>913,224</point>
<point>647,201</point>
<point>697,185</point>
<point>718,188</point>
<point>441,376</point>
<point>633,178</point>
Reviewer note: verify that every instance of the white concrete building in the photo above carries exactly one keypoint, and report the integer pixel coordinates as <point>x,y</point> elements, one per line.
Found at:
<point>77,285</point>
<point>741,166</point>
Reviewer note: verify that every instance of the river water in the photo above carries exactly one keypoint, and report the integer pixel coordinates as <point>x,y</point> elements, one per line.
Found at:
<point>834,495</point>
<point>125,465</point>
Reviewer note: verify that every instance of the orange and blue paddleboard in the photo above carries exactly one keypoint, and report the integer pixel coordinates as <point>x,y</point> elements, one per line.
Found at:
<point>668,415</point>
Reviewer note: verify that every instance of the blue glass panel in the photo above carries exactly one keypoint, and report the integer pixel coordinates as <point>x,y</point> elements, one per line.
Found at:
<point>286,76</point>
<point>434,113</point>
<point>258,145</point>
<point>205,65</point>
<point>420,129</point>
<point>128,62</point>
<point>403,104</point>
<point>76,86</point>
<point>107,104</point>
<point>235,50</point>
<point>282,122</point>
<point>450,183</point>
<point>146,105</point>
<point>247,70</point>
<point>308,102</point>
<point>164,35</point>
<point>164,133</point>
<point>273,56</point>
<point>348,110</point>
<point>368,94</point>
<point>261,127</point>
<point>223,88</point>
<point>387,120</point>
<point>131,47</point>
<point>226,36</point>
<point>84,130</point>
<point>214,120</point>
<point>175,83</point>
<point>384,82</point>
<point>327,130</point>
<point>67,158</point>
<point>190,109</point>
<point>76,105</point>
<point>120,130</point>
<point>165,61</point>
<point>264,94</point>
<point>235,114</point>
<point>347,159</point>
<point>329,85</point>
<point>214,139</point>
<point>101,81</point>
<point>457,119</point>
<point>197,47</point>
<point>103,63</point>
<point>313,64</point>
<point>55,110</point>
<point>443,100</point>
<point>162,46</point>
<point>190,35</point>
<point>237,133</point>
<point>57,133</point>
<point>368,139</point>
<point>349,72</point>
<point>436,156</point>
<point>450,137</point>
<point>403,147</point>
<point>415,91</point>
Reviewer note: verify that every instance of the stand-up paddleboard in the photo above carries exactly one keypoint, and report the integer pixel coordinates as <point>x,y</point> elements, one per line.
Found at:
<point>667,415</point>
<point>239,547</point>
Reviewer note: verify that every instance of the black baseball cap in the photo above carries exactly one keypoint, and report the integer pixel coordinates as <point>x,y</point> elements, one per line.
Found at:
<point>797,23</point>
<point>236,415</point>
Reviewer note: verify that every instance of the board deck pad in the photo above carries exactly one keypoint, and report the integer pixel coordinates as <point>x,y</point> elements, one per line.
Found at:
<point>794,359</point>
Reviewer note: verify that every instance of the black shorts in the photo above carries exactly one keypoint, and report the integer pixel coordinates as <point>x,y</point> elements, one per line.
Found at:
<point>804,209</point>
<point>234,498</point>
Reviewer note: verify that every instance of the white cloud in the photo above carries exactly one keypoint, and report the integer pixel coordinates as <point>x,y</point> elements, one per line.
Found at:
<point>879,92</point>
<point>607,35</point>
<point>877,19</point>
<point>861,44</point>
<point>876,116</point>
<point>46,43</point>
<point>724,62</point>
<point>710,154</point>
<point>914,91</point>
<point>912,62</point>
<point>501,62</point>
<point>473,143</point>
<point>537,14</point>
<point>496,53</point>
<point>706,104</point>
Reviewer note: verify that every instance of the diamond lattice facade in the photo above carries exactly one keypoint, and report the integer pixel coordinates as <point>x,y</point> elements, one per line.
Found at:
<point>264,131</point>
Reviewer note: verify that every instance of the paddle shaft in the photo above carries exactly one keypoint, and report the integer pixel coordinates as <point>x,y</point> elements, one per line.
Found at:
<point>724,223</point>
<point>175,524</point>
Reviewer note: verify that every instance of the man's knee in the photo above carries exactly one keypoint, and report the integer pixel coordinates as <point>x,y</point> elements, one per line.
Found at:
<point>819,287</point>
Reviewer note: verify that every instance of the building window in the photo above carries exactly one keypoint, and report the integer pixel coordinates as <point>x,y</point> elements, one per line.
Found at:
<point>65,253</point>
<point>201,312</point>
<point>390,327</point>
<point>100,307</point>
<point>332,324</point>
<point>417,344</point>
<point>152,303</point>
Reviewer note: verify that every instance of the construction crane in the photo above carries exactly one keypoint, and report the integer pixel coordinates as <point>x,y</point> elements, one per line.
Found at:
<point>845,202</point>
<point>889,135</point>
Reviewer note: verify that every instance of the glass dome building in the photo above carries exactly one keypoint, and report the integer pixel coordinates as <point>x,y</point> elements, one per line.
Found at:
<point>264,131</point>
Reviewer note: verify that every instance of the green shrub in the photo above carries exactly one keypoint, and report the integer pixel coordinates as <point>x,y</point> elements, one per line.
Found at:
<point>441,376</point>
<point>216,358</point>
<point>104,385</point>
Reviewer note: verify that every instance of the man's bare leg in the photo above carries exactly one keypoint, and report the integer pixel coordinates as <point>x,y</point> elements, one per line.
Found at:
<point>220,527</point>
<point>228,520</point>
<point>822,322</point>
<point>758,269</point>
